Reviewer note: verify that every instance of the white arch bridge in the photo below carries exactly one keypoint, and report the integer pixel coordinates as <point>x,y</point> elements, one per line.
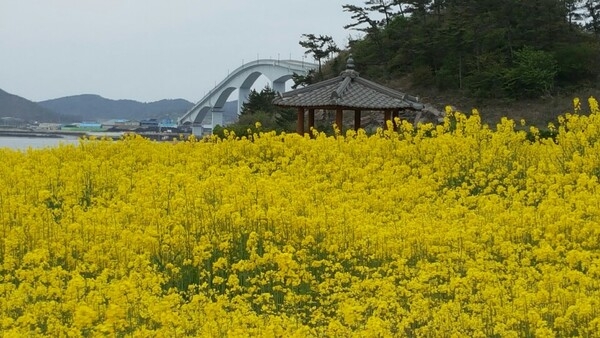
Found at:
<point>241,79</point>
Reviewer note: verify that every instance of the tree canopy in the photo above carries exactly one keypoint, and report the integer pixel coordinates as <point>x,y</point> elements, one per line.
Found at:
<point>489,48</point>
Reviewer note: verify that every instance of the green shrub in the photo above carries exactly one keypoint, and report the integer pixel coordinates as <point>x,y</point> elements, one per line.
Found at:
<point>532,74</point>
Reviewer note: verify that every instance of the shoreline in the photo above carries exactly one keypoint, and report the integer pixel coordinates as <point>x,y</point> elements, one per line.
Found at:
<point>38,133</point>
<point>79,134</point>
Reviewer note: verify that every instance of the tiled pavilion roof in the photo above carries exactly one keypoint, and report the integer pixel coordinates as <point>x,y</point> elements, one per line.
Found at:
<point>348,91</point>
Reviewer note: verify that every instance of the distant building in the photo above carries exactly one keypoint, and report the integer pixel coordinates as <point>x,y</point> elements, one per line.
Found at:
<point>149,123</point>
<point>12,122</point>
<point>122,124</point>
<point>168,126</point>
<point>167,123</point>
<point>48,126</point>
<point>83,126</point>
<point>127,123</point>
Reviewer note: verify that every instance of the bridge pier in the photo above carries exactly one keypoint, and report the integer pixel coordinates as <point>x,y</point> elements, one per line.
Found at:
<point>279,86</point>
<point>217,118</point>
<point>243,94</point>
<point>197,129</point>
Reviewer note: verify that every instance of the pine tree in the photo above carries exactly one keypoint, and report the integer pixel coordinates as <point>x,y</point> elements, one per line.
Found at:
<point>320,47</point>
<point>592,14</point>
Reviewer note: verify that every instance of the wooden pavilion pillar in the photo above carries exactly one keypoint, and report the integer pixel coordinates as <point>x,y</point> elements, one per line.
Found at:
<point>357,119</point>
<point>300,123</point>
<point>339,114</point>
<point>311,119</point>
<point>387,115</point>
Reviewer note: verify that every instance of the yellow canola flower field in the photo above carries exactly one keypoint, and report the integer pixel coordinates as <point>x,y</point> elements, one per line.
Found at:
<point>451,230</point>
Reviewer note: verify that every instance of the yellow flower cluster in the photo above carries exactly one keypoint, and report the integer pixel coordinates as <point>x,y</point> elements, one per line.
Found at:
<point>448,230</point>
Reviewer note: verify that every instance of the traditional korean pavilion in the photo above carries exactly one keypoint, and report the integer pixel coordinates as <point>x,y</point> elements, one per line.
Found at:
<point>350,92</point>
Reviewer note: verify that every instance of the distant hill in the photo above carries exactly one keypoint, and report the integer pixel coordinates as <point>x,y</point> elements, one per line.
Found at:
<point>89,107</point>
<point>95,107</point>
<point>16,106</point>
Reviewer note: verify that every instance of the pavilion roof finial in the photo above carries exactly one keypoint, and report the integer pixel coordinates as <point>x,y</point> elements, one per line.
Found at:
<point>350,62</point>
<point>350,72</point>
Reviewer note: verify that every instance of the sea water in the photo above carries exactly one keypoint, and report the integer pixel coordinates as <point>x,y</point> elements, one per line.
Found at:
<point>24,143</point>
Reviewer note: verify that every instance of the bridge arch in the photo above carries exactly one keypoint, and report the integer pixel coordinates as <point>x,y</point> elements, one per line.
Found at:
<point>241,79</point>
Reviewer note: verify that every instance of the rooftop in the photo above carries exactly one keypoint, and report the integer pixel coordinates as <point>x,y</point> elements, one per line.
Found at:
<point>348,91</point>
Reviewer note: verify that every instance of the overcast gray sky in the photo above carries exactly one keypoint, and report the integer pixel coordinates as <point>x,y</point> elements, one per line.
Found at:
<point>149,50</point>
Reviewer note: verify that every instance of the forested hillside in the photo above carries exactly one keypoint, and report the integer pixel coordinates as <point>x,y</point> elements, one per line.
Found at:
<point>18,107</point>
<point>489,48</point>
<point>95,107</point>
